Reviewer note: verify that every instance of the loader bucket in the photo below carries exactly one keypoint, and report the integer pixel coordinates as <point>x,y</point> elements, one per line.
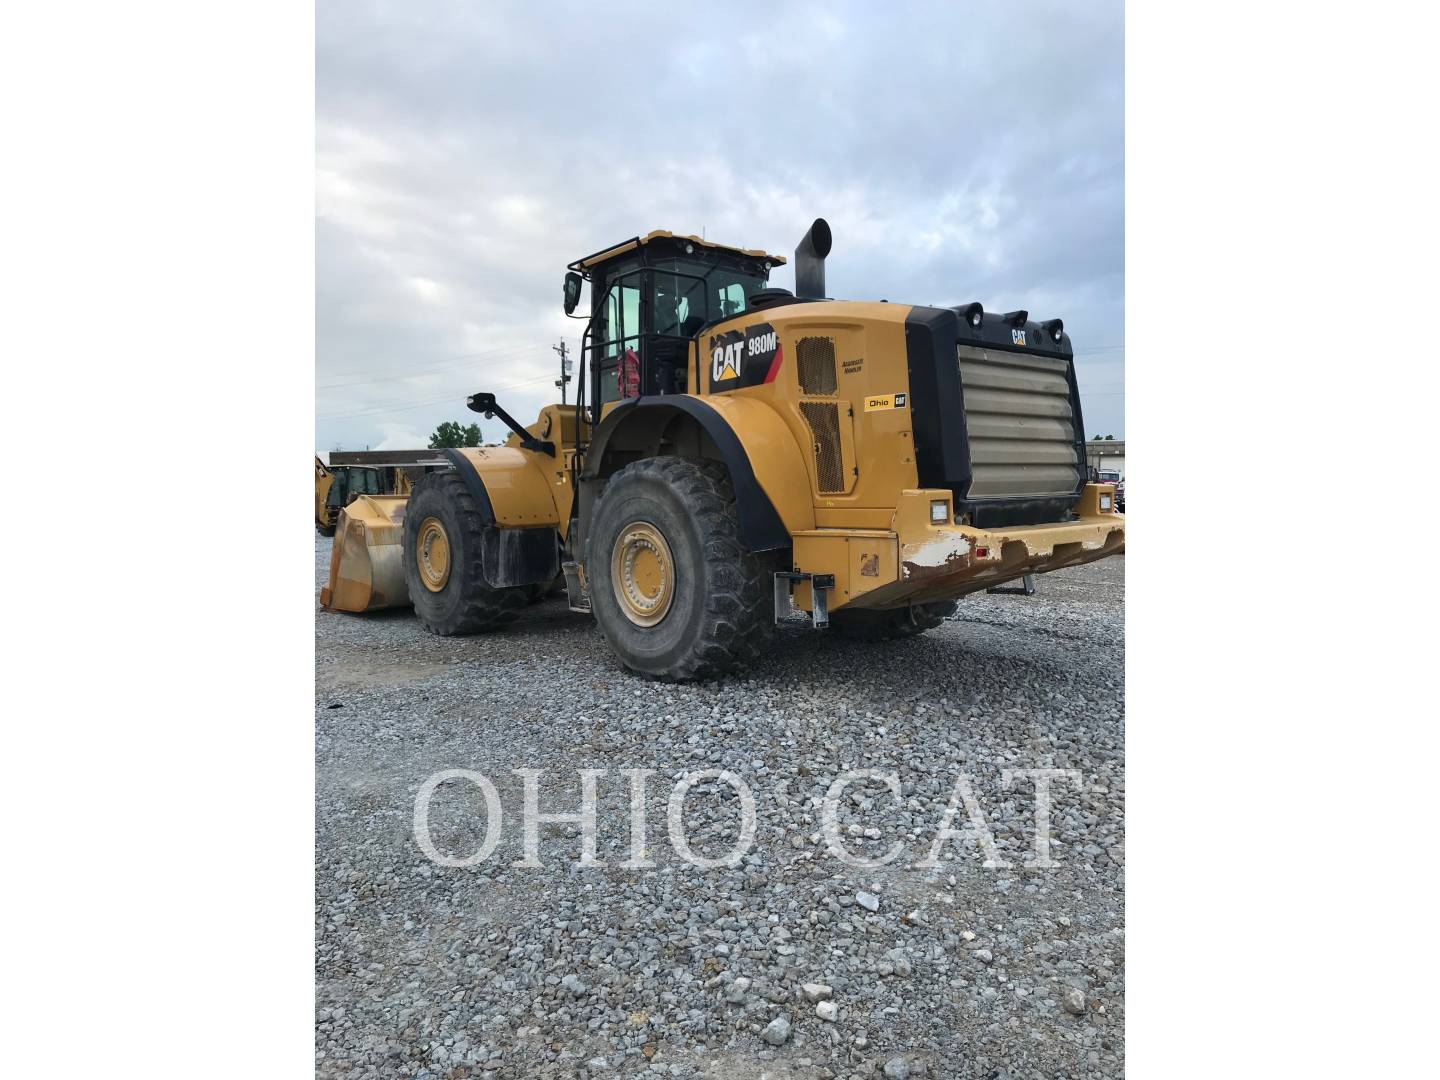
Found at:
<point>367,569</point>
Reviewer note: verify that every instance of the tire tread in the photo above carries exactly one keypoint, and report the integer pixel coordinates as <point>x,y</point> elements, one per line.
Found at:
<point>483,607</point>
<point>738,621</point>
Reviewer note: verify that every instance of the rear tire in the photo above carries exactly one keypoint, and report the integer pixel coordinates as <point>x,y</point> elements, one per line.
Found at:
<point>861,625</point>
<point>325,530</point>
<point>692,600</point>
<point>443,570</point>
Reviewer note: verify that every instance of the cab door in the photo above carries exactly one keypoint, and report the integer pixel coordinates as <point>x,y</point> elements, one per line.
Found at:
<point>619,331</point>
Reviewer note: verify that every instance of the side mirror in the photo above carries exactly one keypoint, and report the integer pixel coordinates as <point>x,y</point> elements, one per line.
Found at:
<point>572,291</point>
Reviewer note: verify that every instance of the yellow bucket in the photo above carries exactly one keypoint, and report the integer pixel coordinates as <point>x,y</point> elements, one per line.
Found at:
<point>367,569</point>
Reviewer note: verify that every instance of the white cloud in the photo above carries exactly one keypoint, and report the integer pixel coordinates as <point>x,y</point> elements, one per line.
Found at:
<point>464,158</point>
<point>399,437</point>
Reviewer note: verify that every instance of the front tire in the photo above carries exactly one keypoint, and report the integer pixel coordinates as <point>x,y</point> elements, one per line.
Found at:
<point>676,593</point>
<point>444,537</point>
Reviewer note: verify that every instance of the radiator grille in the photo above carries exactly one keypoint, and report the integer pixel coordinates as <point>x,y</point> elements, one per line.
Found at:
<point>1021,425</point>
<point>824,420</point>
<point>815,359</point>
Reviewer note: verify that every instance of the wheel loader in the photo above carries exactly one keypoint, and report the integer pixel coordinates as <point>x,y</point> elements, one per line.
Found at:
<point>336,488</point>
<point>738,454</point>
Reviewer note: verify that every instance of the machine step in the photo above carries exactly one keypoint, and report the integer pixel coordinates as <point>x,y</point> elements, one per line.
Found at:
<point>575,587</point>
<point>820,586</point>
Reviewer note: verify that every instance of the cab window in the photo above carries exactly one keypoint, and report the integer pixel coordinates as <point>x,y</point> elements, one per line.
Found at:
<point>681,304</point>
<point>643,348</point>
<point>690,294</point>
<point>732,299</point>
<point>619,330</point>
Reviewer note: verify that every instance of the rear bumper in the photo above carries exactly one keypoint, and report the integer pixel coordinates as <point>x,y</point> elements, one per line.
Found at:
<point>968,560</point>
<point>921,562</point>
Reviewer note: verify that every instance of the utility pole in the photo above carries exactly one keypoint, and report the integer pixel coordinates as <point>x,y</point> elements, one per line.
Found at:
<point>564,368</point>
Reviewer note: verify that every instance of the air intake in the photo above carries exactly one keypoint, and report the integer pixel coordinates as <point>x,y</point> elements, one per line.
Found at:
<point>815,359</point>
<point>824,420</point>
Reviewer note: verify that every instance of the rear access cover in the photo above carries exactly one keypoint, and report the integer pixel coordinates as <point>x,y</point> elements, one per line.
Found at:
<point>997,415</point>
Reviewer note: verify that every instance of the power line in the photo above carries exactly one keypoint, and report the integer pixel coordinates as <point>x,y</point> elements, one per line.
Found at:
<point>430,369</point>
<point>387,409</point>
<point>441,360</point>
<point>425,373</point>
<point>423,404</point>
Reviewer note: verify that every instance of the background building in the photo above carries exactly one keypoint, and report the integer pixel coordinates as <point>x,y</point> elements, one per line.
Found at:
<point>413,463</point>
<point>1107,454</point>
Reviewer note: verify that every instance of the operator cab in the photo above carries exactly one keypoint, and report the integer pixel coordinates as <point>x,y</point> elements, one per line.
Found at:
<point>649,298</point>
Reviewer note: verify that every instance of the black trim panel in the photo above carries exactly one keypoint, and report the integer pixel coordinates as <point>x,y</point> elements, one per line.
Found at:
<point>937,401</point>
<point>999,513</point>
<point>467,472</point>
<point>760,525</point>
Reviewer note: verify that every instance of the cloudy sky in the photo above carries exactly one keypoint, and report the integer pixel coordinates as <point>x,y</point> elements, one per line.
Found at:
<point>467,151</point>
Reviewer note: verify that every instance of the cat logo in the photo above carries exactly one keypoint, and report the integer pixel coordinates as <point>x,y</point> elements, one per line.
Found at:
<point>870,565</point>
<point>1017,337</point>
<point>723,365</point>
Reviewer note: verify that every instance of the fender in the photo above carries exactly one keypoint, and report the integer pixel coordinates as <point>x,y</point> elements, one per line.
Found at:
<point>524,549</point>
<point>508,485</point>
<point>772,490</point>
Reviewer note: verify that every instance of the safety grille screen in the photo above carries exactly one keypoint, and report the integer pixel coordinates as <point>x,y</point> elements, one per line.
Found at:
<point>824,421</point>
<point>815,357</point>
<point>1021,425</point>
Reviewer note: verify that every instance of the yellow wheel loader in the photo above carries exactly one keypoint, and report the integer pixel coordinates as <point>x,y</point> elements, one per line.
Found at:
<point>336,488</point>
<point>737,453</point>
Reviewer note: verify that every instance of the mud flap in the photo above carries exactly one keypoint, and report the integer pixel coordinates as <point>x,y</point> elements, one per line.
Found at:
<point>520,556</point>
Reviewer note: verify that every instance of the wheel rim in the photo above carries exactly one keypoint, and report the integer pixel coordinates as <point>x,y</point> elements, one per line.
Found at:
<point>642,573</point>
<point>432,554</point>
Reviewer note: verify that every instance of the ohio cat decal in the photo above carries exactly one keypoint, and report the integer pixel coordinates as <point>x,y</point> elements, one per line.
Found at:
<point>884,401</point>
<point>746,357</point>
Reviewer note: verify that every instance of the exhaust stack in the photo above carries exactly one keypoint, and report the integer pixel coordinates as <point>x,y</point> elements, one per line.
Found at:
<point>810,261</point>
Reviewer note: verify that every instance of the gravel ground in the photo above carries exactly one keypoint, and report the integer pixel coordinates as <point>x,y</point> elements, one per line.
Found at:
<point>790,964</point>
